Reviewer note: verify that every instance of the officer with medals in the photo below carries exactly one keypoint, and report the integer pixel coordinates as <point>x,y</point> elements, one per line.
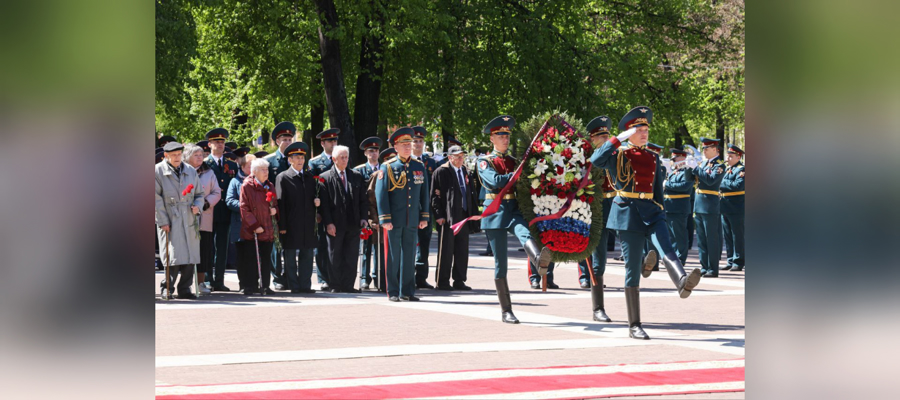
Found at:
<point>732,207</point>
<point>707,217</point>
<point>425,233</point>
<point>283,135</point>
<point>225,171</point>
<point>495,170</point>
<point>598,128</point>
<point>370,147</point>
<point>401,192</point>
<point>677,188</point>
<point>637,210</point>
<point>317,166</point>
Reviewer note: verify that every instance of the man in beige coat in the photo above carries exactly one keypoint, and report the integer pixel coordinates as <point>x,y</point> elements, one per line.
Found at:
<point>176,216</point>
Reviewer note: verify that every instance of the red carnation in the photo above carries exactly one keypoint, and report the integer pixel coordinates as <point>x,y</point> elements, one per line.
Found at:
<point>561,195</point>
<point>559,170</point>
<point>188,189</point>
<point>270,196</point>
<point>321,179</point>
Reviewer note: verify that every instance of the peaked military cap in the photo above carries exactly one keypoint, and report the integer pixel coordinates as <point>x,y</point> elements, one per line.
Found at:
<point>678,152</point>
<point>501,125</point>
<point>640,115</point>
<point>655,147</point>
<point>452,140</point>
<point>420,131</point>
<point>707,142</point>
<point>241,151</point>
<point>736,150</point>
<point>217,134</point>
<point>373,142</point>
<point>387,153</point>
<point>231,146</point>
<point>159,155</point>
<point>599,126</point>
<point>230,156</point>
<point>261,154</point>
<point>163,140</point>
<point>297,148</point>
<point>173,146</point>
<point>329,134</point>
<point>204,144</point>
<point>402,135</point>
<point>284,128</point>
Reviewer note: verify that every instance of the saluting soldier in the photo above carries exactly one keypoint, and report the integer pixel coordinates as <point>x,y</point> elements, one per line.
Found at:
<point>225,171</point>
<point>318,166</point>
<point>637,210</point>
<point>370,147</point>
<point>402,197</point>
<point>678,187</point>
<point>424,247</point>
<point>732,207</point>
<point>707,217</point>
<point>495,170</point>
<point>599,128</point>
<point>283,135</point>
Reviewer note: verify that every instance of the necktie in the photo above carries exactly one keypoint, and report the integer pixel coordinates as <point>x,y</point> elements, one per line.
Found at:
<point>344,182</point>
<point>220,163</point>
<point>462,187</point>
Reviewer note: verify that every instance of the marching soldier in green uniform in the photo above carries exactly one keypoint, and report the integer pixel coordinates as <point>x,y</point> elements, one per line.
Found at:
<point>225,171</point>
<point>707,217</point>
<point>370,147</point>
<point>401,192</point>
<point>283,135</point>
<point>678,187</point>
<point>424,246</point>
<point>318,165</point>
<point>495,169</point>
<point>732,207</point>
<point>637,210</point>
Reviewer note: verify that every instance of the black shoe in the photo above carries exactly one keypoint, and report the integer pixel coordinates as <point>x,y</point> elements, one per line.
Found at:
<point>325,287</point>
<point>637,332</point>
<point>585,284</point>
<point>737,268</point>
<point>619,258</point>
<point>269,291</point>
<point>353,290</point>
<point>409,298</point>
<point>509,318</point>
<point>444,287</point>
<point>394,298</point>
<point>296,291</point>
<point>221,288</point>
<point>460,286</point>
<point>521,249</point>
<point>307,291</point>
<point>249,292</point>
<point>424,285</point>
<point>725,268</point>
<point>536,285</point>
<point>186,296</point>
<point>551,285</point>
<point>711,274</point>
<point>486,254</point>
<point>163,294</point>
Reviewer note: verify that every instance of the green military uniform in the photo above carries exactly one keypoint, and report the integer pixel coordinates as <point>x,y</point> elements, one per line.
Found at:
<point>707,217</point>
<point>366,170</point>
<point>732,207</point>
<point>425,233</point>
<point>678,187</point>
<point>402,196</point>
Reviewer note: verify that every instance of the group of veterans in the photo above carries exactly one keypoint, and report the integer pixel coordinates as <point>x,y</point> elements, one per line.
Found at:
<point>272,216</point>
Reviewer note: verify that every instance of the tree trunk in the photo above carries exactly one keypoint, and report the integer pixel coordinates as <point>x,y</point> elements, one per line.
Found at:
<point>333,75</point>
<point>368,85</point>
<point>720,128</point>
<point>682,136</point>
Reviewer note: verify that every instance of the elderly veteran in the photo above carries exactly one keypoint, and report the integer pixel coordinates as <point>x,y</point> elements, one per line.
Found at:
<point>257,230</point>
<point>179,198</point>
<point>297,200</point>
<point>193,156</point>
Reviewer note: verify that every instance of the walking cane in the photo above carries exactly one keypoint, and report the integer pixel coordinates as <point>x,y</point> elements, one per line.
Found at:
<point>168,289</point>
<point>262,291</point>
<point>590,269</point>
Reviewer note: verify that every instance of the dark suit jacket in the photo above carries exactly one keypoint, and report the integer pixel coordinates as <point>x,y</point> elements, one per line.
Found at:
<point>446,195</point>
<point>296,193</point>
<point>335,209</point>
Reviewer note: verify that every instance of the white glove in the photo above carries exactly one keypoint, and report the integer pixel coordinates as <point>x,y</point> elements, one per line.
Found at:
<point>668,164</point>
<point>625,135</point>
<point>691,162</point>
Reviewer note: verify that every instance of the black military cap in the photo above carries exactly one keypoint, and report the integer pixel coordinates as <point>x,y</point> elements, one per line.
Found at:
<point>230,156</point>
<point>163,140</point>
<point>735,150</point>
<point>655,147</point>
<point>420,131</point>
<point>297,148</point>
<point>452,141</point>
<point>204,144</point>
<point>160,155</point>
<point>599,126</point>
<point>387,153</point>
<point>173,146</point>
<point>640,115</point>
<point>500,125</point>
<point>260,154</point>
<point>284,128</point>
<point>329,134</point>
<point>709,142</point>
<point>158,149</point>
<point>230,146</point>
<point>241,151</point>
<point>217,134</point>
<point>373,142</point>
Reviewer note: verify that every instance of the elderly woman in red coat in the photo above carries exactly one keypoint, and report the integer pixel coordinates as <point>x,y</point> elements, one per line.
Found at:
<point>258,208</point>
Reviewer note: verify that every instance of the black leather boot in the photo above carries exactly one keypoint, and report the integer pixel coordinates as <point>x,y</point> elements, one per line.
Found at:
<point>597,299</point>
<point>650,261</point>
<point>540,256</point>
<point>505,302</point>
<point>684,282</point>
<point>633,303</point>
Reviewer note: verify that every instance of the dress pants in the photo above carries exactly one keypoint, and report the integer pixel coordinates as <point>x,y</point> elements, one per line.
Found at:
<point>184,284</point>
<point>343,253</point>
<point>322,259</point>
<point>220,239</point>
<point>678,230</point>
<point>709,242</point>
<point>598,259</point>
<point>422,250</point>
<point>298,264</point>
<point>453,254</point>
<point>277,266</point>
<point>733,227</point>
<point>366,273</point>
<point>401,269</point>
<point>247,255</point>
<point>206,253</point>
<point>633,243</point>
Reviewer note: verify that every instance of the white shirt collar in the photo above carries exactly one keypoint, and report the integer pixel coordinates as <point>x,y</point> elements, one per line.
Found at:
<point>295,171</point>
<point>216,159</point>
<point>374,166</point>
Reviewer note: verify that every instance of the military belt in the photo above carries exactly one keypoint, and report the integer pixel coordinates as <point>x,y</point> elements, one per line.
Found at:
<point>636,195</point>
<point>726,194</point>
<point>491,196</point>
<point>677,196</point>
<point>609,195</point>
<point>704,191</point>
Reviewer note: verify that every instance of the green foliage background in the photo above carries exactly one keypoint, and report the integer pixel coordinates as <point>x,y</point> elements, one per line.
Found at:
<point>531,127</point>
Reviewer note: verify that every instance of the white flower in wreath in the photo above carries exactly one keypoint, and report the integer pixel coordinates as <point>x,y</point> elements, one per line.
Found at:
<point>541,167</point>
<point>558,159</point>
<point>578,157</point>
<point>578,143</point>
<point>535,183</point>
